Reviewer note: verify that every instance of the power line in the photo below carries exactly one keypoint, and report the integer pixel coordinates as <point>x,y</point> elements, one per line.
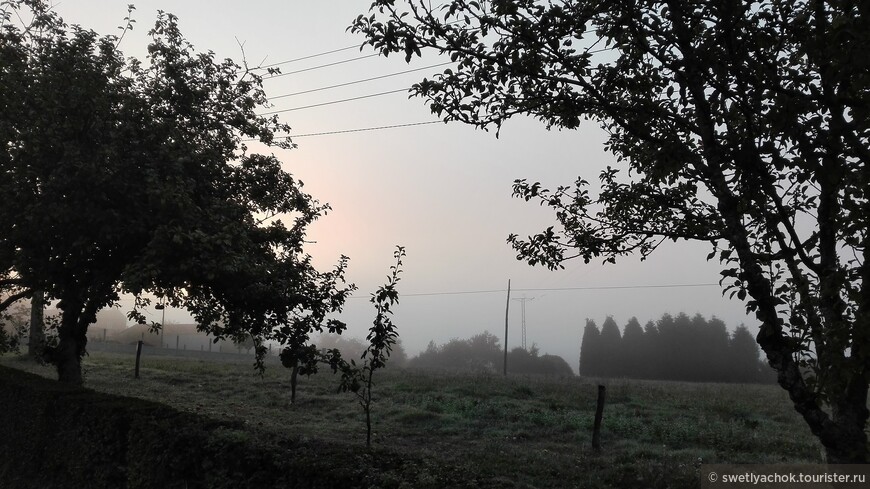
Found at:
<point>616,287</point>
<point>394,126</point>
<point>335,102</point>
<point>601,287</point>
<point>309,56</point>
<point>362,129</point>
<point>312,68</point>
<point>359,81</point>
<point>355,46</point>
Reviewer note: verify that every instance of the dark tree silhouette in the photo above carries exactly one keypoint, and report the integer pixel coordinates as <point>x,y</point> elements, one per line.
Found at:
<point>610,345</point>
<point>745,125</point>
<point>121,176</point>
<point>715,347</point>
<point>427,358</point>
<point>554,365</point>
<point>676,348</point>
<point>651,345</point>
<point>632,351</point>
<point>744,355</point>
<point>589,350</point>
<point>482,353</point>
<point>669,347</point>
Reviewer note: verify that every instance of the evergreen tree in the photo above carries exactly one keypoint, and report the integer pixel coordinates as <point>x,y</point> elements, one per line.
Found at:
<point>716,344</point>
<point>667,351</point>
<point>744,356</point>
<point>610,349</point>
<point>696,366</point>
<point>589,364</point>
<point>632,355</point>
<point>651,359</point>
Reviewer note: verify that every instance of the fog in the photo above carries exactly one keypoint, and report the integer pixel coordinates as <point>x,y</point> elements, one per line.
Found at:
<point>442,191</point>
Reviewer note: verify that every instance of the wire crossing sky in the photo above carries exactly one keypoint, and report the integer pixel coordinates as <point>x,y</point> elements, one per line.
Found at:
<point>394,174</point>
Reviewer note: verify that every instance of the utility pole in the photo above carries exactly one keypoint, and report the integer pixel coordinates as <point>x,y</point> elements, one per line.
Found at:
<point>506,311</point>
<point>522,301</point>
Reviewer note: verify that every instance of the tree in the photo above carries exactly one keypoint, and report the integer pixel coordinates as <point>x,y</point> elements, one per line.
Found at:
<point>486,354</point>
<point>651,343</point>
<point>610,347</point>
<point>715,343</point>
<point>668,351</point>
<point>632,350</point>
<point>13,325</point>
<point>427,358</point>
<point>554,365</point>
<point>126,177</point>
<point>36,336</point>
<point>744,355</point>
<point>521,360</point>
<point>382,337</point>
<point>589,350</point>
<point>743,125</point>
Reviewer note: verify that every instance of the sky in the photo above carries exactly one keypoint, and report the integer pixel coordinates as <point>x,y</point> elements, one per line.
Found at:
<point>443,191</point>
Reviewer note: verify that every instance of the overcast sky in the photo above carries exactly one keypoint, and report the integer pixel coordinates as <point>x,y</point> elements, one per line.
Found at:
<point>442,191</point>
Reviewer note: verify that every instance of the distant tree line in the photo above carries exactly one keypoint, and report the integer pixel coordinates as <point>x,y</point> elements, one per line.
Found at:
<point>353,348</point>
<point>672,348</point>
<point>483,353</point>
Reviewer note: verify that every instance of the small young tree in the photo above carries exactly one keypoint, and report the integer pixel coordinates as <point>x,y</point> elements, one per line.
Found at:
<point>300,359</point>
<point>382,336</point>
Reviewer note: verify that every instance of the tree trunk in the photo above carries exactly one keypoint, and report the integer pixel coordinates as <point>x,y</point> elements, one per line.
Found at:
<point>294,372</point>
<point>37,325</point>
<point>68,361</point>
<point>851,449</point>
<point>846,441</point>
<point>368,409</point>
<point>67,357</point>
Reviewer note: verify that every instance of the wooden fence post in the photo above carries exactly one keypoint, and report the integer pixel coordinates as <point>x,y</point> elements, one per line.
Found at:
<point>138,355</point>
<point>599,412</point>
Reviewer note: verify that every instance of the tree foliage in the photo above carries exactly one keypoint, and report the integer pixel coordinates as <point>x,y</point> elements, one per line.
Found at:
<point>739,124</point>
<point>675,348</point>
<point>609,343</point>
<point>382,336</point>
<point>482,353</point>
<point>13,325</point>
<point>123,176</point>
<point>589,349</point>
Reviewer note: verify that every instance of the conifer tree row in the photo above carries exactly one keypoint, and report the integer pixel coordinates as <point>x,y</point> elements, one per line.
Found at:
<point>672,348</point>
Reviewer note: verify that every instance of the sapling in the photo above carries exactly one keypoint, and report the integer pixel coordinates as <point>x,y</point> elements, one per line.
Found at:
<point>357,378</point>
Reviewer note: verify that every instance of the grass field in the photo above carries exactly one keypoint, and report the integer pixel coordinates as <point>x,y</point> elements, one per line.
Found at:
<point>518,431</point>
